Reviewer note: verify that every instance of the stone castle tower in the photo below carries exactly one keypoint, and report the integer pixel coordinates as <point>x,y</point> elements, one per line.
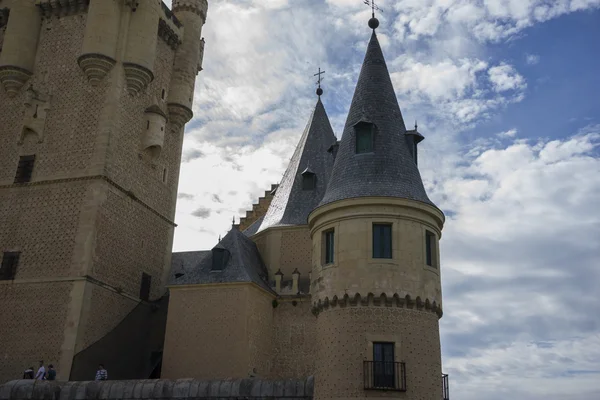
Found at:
<point>95,95</point>
<point>375,268</point>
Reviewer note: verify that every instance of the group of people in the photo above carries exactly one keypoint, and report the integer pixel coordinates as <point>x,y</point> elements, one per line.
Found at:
<point>50,374</point>
<point>42,373</point>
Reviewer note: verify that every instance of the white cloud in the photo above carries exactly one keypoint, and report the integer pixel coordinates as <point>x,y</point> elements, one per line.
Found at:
<point>504,77</point>
<point>532,59</point>
<point>511,133</point>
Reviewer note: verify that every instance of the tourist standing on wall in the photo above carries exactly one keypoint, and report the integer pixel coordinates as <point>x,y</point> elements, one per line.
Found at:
<point>28,374</point>
<point>51,374</point>
<point>101,374</point>
<point>41,372</point>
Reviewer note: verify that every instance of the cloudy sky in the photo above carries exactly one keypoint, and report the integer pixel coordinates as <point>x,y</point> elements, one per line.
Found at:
<point>507,94</point>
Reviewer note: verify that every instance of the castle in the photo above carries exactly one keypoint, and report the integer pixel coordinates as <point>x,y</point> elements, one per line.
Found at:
<point>334,274</point>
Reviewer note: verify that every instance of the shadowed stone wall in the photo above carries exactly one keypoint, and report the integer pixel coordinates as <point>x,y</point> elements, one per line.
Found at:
<point>291,389</point>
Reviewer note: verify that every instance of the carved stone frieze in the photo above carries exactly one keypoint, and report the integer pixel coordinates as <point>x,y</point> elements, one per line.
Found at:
<point>61,8</point>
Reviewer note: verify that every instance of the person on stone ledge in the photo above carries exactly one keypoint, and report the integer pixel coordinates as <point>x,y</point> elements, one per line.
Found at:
<point>28,374</point>
<point>51,374</point>
<point>101,374</point>
<point>41,373</point>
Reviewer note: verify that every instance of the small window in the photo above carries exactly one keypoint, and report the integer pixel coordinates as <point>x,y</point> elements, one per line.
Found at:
<point>164,175</point>
<point>328,239</point>
<point>309,181</point>
<point>382,241</point>
<point>162,96</point>
<point>8,268</point>
<point>384,366</point>
<point>220,257</point>
<point>25,169</point>
<point>147,124</point>
<point>145,286</point>
<point>430,256</point>
<point>364,137</point>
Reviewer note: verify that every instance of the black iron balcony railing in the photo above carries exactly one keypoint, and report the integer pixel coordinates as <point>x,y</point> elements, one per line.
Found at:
<point>445,387</point>
<point>381,375</point>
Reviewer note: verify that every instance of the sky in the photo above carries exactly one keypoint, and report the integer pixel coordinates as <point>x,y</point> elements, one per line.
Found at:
<point>507,95</point>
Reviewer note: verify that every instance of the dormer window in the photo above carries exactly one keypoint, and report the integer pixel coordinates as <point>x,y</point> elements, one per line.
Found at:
<point>220,257</point>
<point>309,180</point>
<point>364,137</point>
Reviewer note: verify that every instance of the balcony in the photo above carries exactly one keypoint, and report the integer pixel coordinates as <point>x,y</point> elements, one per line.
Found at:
<point>390,376</point>
<point>445,387</point>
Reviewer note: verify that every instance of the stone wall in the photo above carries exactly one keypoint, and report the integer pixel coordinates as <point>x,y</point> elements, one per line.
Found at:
<point>345,341</point>
<point>33,316</point>
<point>294,339</point>
<point>293,389</point>
<point>285,248</point>
<point>217,331</point>
<point>259,209</point>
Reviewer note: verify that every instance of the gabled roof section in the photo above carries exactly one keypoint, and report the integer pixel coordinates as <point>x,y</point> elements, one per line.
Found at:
<point>388,171</point>
<point>244,264</point>
<point>291,205</point>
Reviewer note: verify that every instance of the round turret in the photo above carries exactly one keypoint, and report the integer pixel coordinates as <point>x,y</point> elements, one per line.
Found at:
<point>19,48</point>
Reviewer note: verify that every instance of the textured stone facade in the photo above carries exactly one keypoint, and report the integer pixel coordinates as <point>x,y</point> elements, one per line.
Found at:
<point>98,211</point>
<point>286,249</point>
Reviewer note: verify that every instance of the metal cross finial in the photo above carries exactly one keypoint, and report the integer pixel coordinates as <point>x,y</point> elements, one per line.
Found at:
<point>320,79</point>
<point>219,238</point>
<point>373,6</point>
<point>233,220</point>
<point>416,125</point>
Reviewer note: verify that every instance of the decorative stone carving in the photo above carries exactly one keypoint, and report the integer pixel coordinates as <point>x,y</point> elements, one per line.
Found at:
<point>167,33</point>
<point>95,67</point>
<point>61,8</point>
<point>138,78</point>
<point>179,115</point>
<point>37,104</point>
<point>13,78</point>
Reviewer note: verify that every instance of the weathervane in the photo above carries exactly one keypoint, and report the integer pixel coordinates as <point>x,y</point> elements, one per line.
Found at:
<point>373,22</point>
<point>319,80</point>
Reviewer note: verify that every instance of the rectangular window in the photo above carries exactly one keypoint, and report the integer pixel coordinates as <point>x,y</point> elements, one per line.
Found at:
<point>145,286</point>
<point>8,268</point>
<point>382,241</point>
<point>329,246</point>
<point>309,181</point>
<point>25,169</point>
<point>364,138</point>
<point>430,256</point>
<point>384,365</point>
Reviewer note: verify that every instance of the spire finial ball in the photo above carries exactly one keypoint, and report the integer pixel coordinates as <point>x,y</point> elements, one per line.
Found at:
<point>373,23</point>
<point>319,92</point>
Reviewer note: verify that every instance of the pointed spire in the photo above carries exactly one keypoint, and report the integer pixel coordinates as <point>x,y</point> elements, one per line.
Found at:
<point>292,201</point>
<point>386,168</point>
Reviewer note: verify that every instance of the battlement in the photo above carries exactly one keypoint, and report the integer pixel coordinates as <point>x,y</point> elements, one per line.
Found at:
<point>62,8</point>
<point>199,7</point>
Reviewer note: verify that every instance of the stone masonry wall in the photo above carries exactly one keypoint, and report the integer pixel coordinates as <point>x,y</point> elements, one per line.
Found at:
<point>344,341</point>
<point>33,317</point>
<point>294,340</point>
<point>130,239</point>
<point>260,332</point>
<point>206,336</point>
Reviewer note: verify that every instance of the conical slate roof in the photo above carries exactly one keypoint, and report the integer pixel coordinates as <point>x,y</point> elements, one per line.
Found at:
<point>390,170</point>
<point>291,204</point>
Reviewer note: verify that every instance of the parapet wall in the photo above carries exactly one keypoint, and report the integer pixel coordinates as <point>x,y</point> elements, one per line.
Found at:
<point>290,389</point>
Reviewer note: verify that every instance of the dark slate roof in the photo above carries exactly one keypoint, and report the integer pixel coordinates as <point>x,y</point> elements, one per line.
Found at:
<point>390,169</point>
<point>253,228</point>
<point>244,264</point>
<point>291,205</point>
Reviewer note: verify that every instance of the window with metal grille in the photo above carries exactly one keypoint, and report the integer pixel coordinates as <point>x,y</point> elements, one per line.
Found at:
<point>364,137</point>
<point>25,169</point>
<point>382,241</point>
<point>8,268</point>
<point>329,246</point>
<point>145,286</point>
<point>384,374</point>
<point>430,256</point>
